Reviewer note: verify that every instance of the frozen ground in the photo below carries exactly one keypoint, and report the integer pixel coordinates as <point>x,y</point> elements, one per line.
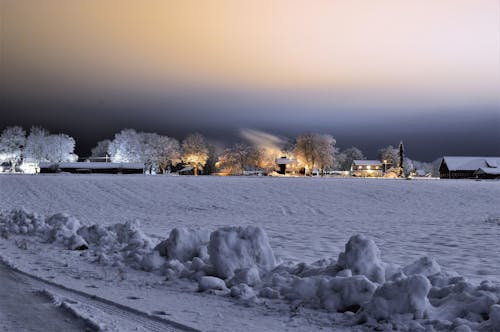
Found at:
<point>456,222</point>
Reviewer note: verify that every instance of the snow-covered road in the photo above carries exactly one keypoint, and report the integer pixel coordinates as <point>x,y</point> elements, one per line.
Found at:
<point>29,303</point>
<point>23,309</point>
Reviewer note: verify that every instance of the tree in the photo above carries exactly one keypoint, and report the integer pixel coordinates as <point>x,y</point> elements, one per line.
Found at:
<point>60,148</point>
<point>194,151</point>
<point>101,149</point>
<point>315,150</point>
<point>164,152</point>
<point>42,146</point>
<point>346,157</point>
<point>126,147</point>
<point>36,147</point>
<point>238,158</point>
<point>12,142</point>
<point>401,163</point>
<point>389,155</point>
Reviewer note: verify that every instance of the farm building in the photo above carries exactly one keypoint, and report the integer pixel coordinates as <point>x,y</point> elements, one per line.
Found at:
<point>367,168</point>
<point>469,167</point>
<point>283,163</point>
<point>91,167</point>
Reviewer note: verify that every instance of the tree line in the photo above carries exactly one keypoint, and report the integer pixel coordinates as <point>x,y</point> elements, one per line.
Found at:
<point>306,153</point>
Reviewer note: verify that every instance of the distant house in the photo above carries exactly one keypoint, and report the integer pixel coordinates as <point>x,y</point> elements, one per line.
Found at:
<point>282,163</point>
<point>91,167</point>
<point>367,168</point>
<point>469,167</point>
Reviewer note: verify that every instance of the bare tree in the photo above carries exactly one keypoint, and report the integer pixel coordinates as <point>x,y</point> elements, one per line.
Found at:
<point>195,151</point>
<point>238,158</point>
<point>315,151</point>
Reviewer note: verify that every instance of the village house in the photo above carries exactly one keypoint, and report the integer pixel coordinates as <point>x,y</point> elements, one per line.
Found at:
<point>367,168</point>
<point>469,167</point>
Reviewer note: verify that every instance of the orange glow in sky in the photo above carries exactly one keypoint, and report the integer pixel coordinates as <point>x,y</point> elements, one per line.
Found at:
<point>447,46</point>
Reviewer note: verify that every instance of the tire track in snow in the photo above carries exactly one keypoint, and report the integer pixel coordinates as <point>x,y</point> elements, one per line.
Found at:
<point>73,298</point>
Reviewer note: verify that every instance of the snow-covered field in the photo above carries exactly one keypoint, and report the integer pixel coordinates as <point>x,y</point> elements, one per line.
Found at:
<point>455,222</point>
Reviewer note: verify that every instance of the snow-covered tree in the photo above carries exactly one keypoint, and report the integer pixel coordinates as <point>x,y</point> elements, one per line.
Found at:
<point>101,149</point>
<point>195,151</point>
<point>346,157</point>
<point>60,148</point>
<point>126,147</point>
<point>390,155</point>
<point>12,141</point>
<point>315,151</point>
<point>36,148</point>
<point>159,153</point>
<point>42,146</point>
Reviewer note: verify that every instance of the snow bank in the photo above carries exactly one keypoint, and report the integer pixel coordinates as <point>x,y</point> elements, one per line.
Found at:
<point>239,262</point>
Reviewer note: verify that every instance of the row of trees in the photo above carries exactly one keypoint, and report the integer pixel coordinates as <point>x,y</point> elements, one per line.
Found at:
<point>161,154</point>
<point>39,145</point>
<point>157,152</point>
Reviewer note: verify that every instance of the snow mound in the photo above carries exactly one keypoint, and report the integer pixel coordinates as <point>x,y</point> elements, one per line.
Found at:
<point>407,295</point>
<point>339,294</point>
<point>20,221</point>
<point>232,248</point>
<point>362,257</point>
<point>184,244</point>
<point>425,266</point>
<point>211,283</point>
<point>62,228</point>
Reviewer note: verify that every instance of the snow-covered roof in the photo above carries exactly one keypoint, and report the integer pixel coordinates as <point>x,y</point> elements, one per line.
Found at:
<point>186,169</point>
<point>488,170</point>
<point>283,161</point>
<point>470,163</point>
<point>367,162</point>
<point>91,165</point>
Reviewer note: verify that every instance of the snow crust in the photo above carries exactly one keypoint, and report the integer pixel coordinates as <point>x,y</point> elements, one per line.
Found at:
<point>239,262</point>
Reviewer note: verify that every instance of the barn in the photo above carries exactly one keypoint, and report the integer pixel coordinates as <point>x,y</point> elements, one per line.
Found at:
<point>469,167</point>
<point>91,168</point>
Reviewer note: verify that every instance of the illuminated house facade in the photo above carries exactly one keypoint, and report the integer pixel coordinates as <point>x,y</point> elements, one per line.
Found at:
<point>367,168</point>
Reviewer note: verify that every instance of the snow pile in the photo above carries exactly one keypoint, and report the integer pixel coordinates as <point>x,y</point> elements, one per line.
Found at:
<point>239,262</point>
<point>122,244</point>
<point>184,244</point>
<point>59,228</point>
<point>362,257</point>
<point>20,221</point>
<point>62,228</point>
<point>407,295</point>
<point>233,248</point>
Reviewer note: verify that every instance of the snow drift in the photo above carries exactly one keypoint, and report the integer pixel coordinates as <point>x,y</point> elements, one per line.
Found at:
<point>239,262</point>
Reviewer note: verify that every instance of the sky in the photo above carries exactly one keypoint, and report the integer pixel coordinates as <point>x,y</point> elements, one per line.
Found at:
<point>370,73</point>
